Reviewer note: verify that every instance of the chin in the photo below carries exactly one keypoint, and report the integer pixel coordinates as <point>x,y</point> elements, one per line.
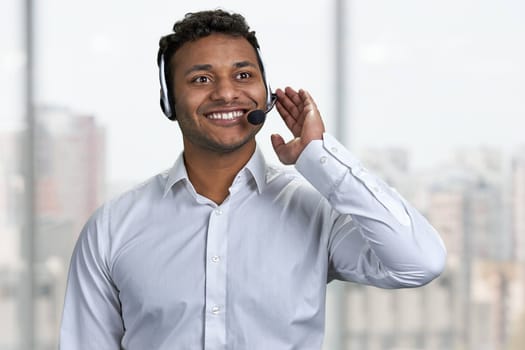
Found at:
<point>225,148</point>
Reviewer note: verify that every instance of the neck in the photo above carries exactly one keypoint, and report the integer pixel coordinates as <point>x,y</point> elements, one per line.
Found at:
<point>212,174</point>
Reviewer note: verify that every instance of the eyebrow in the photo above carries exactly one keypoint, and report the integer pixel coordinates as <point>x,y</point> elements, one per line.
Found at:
<point>208,67</point>
<point>243,64</point>
<point>198,67</point>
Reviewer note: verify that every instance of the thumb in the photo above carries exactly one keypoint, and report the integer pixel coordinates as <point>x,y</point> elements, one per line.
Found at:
<point>277,143</point>
<point>285,151</point>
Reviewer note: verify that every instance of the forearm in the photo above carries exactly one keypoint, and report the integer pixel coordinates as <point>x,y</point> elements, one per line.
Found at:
<point>399,247</point>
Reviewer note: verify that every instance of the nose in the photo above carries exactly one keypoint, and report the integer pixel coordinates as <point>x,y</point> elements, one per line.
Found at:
<point>225,90</point>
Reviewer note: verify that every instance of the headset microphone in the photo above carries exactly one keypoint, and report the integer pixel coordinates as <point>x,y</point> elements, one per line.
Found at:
<point>258,116</point>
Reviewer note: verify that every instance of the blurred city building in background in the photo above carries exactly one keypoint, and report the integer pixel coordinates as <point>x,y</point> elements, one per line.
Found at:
<point>70,181</point>
<point>474,201</point>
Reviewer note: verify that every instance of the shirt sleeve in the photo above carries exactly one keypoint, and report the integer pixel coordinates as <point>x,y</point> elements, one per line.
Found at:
<point>378,238</point>
<point>91,316</point>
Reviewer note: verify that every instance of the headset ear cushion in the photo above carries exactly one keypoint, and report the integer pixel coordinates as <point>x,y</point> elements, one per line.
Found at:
<point>165,106</point>
<point>270,97</point>
<point>162,106</point>
<point>164,92</point>
<point>271,100</point>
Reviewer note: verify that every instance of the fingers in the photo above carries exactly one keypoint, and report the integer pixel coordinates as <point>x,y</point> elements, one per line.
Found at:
<point>294,96</point>
<point>291,107</point>
<point>290,101</point>
<point>294,102</point>
<point>308,102</point>
<point>301,116</point>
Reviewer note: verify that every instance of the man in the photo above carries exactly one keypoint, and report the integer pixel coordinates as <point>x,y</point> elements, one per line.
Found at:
<point>224,251</point>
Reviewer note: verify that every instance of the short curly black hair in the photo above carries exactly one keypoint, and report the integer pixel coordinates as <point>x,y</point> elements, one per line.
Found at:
<point>201,24</point>
<point>198,25</point>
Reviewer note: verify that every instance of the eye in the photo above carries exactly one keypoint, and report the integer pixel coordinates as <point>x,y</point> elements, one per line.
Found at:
<point>243,75</point>
<point>201,79</point>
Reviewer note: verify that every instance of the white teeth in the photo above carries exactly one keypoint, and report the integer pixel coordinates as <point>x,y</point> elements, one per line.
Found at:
<point>226,116</point>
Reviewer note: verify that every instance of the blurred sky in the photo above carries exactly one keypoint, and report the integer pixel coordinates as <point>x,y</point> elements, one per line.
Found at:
<point>430,76</point>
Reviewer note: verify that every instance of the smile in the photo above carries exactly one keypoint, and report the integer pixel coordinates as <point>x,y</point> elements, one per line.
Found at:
<point>225,115</point>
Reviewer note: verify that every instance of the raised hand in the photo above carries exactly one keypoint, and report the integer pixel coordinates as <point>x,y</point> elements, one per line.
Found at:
<point>302,117</point>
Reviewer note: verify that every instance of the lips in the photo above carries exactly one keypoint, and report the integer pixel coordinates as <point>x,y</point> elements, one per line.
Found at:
<point>226,115</point>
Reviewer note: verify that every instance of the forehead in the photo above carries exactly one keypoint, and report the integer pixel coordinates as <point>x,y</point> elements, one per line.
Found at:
<point>214,50</point>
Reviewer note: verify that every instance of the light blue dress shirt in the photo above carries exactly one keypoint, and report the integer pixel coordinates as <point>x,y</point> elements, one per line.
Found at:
<point>162,267</point>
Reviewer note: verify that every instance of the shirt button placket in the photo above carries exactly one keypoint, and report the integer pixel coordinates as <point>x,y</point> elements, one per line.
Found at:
<point>216,245</point>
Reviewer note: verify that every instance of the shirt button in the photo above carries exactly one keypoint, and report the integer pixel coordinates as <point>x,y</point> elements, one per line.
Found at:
<point>215,258</point>
<point>323,159</point>
<point>360,171</point>
<point>334,149</point>
<point>218,211</point>
<point>215,310</point>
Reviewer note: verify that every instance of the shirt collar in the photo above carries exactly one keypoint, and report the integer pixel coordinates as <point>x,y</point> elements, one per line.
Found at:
<point>256,167</point>
<point>176,173</point>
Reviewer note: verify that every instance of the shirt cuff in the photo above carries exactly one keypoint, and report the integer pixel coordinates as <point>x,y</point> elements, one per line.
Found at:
<point>319,165</point>
<point>324,164</point>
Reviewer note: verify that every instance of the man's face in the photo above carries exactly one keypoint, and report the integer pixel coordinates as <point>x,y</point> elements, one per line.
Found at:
<point>216,82</point>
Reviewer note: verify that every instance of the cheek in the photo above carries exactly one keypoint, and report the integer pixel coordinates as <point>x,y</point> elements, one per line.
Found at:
<point>259,95</point>
<point>186,104</point>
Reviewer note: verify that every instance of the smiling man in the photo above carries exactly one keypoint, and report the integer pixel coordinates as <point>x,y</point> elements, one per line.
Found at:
<point>224,251</point>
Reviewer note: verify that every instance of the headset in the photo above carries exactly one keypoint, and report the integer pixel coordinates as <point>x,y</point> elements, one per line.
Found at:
<point>255,117</point>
